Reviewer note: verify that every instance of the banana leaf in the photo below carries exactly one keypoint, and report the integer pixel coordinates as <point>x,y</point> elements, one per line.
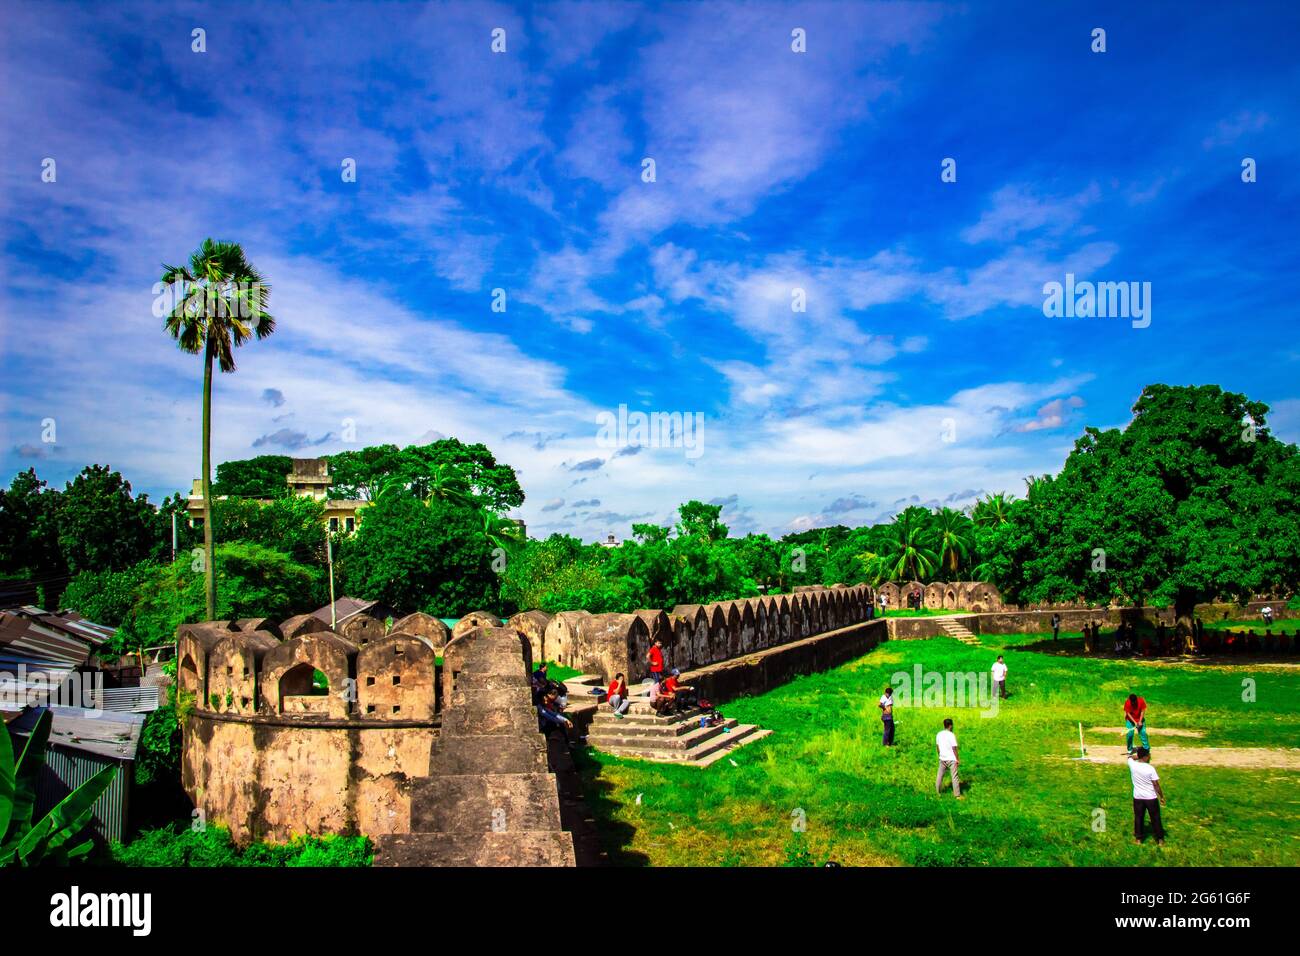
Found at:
<point>8,784</point>
<point>25,776</point>
<point>66,820</point>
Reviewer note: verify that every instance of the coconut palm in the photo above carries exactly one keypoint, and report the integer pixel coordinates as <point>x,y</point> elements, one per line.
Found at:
<point>954,538</point>
<point>904,550</point>
<point>220,304</point>
<point>992,511</point>
<point>501,532</point>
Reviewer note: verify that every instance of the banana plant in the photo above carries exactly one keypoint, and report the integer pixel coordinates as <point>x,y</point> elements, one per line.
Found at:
<point>23,843</point>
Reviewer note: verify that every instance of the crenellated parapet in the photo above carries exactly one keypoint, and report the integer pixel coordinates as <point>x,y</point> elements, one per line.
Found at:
<point>696,635</point>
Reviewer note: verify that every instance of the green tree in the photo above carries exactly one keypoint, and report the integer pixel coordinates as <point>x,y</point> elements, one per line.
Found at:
<point>29,529</point>
<point>264,476</point>
<point>255,581</point>
<point>1192,501</point>
<point>904,550</point>
<point>360,474</point>
<point>220,304</point>
<point>293,524</point>
<point>992,511</point>
<point>107,597</point>
<point>420,557</point>
<point>954,539</point>
<point>701,520</point>
<point>101,525</point>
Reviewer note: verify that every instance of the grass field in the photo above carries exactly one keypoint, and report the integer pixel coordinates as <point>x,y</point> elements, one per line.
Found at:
<point>1027,803</point>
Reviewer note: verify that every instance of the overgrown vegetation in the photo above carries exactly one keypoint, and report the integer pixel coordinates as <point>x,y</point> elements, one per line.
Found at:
<point>179,845</point>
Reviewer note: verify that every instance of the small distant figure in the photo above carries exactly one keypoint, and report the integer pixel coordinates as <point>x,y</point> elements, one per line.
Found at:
<point>617,696</point>
<point>1147,796</point>
<point>1267,615</point>
<point>946,743</point>
<point>656,660</point>
<point>886,706</point>
<point>1056,626</point>
<point>1000,678</point>
<point>883,600</point>
<point>1135,721</point>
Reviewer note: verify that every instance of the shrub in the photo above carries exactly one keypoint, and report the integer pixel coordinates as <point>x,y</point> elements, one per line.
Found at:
<point>213,847</point>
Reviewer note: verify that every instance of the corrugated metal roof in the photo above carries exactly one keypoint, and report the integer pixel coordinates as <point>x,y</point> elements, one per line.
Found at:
<point>345,607</point>
<point>104,733</point>
<point>32,640</point>
<point>67,622</point>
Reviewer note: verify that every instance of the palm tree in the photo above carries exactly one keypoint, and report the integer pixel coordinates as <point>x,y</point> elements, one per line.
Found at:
<point>905,549</point>
<point>953,538</point>
<point>220,305</point>
<point>501,532</point>
<point>446,483</point>
<point>992,511</point>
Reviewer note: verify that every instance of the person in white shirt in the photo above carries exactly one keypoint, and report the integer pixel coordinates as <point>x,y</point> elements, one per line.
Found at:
<point>1147,795</point>
<point>1000,678</point>
<point>946,742</point>
<point>886,706</point>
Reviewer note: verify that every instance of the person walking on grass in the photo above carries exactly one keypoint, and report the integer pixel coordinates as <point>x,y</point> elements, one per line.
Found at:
<point>886,706</point>
<point>1147,796</point>
<point>1000,678</point>
<point>946,743</point>
<point>1135,720</point>
<point>1056,626</point>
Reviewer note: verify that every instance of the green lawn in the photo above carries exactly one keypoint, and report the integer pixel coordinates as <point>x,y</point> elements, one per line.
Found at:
<point>1027,803</point>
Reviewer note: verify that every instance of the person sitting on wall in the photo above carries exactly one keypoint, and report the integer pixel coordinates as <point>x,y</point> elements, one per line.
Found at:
<point>617,696</point>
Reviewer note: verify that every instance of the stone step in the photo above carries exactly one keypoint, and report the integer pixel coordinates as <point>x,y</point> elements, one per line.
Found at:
<point>660,740</point>
<point>607,725</point>
<point>531,848</point>
<point>514,801</point>
<point>488,753</point>
<point>647,717</point>
<point>694,755</point>
<point>742,741</point>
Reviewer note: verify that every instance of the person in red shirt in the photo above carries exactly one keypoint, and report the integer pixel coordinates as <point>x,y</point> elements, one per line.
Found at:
<point>674,694</point>
<point>1135,720</point>
<point>656,659</point>
<point>617,696</point>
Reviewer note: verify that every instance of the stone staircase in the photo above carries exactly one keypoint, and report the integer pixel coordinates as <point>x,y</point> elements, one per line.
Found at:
<point>955,629</point>
<point>676,739</point>
<point>489,798</point>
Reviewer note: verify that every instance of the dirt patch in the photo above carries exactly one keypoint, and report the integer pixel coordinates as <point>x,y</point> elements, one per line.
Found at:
<point>1151,732</point>
<point>1242,758</point>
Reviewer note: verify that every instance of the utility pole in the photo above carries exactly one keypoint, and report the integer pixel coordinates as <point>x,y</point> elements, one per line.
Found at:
<point>329,558</point>
<point>173,537</point>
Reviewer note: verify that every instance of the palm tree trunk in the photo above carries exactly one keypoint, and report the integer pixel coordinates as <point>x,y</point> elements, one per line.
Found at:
<point>209,564</point>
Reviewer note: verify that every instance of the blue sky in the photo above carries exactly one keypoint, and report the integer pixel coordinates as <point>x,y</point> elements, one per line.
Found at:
<point>775,171</point>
